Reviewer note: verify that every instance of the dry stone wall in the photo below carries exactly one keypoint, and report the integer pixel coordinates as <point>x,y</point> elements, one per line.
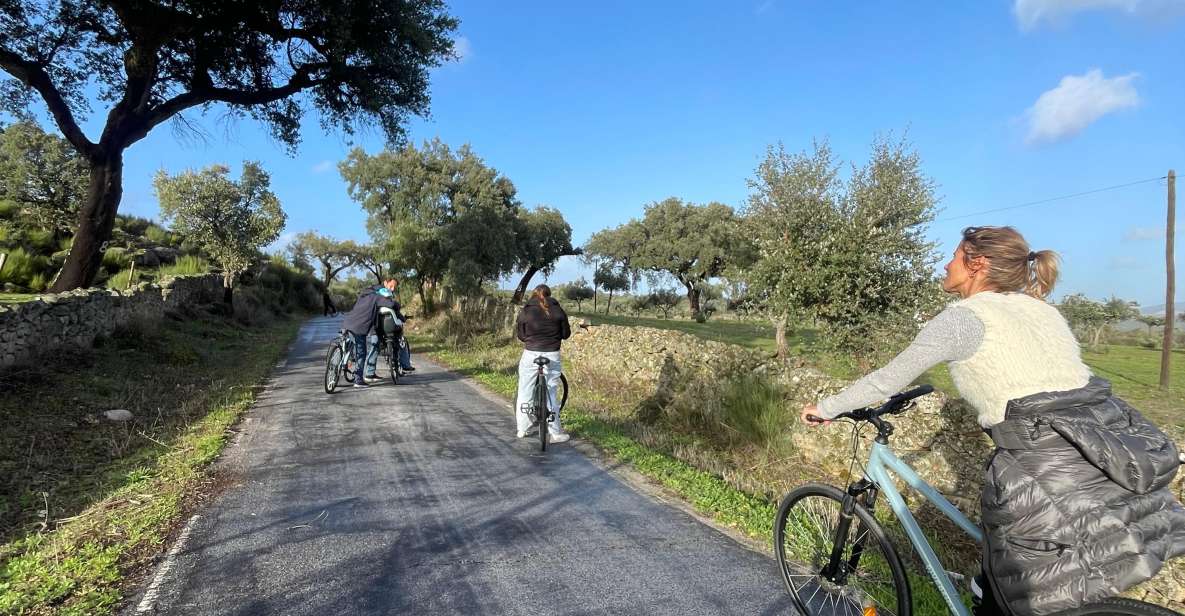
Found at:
<point>940,438</point>
<point>75,318</point>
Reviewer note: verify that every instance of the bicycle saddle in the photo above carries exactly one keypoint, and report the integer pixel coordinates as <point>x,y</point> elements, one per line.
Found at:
<point>542,361</point>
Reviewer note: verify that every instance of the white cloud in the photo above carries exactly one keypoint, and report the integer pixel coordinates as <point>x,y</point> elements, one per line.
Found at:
<point>1143,234</point>
<point>1077,102</point>
<point>1030,13</point>
<point>1127,263</point>
<point>323,166</point>
<point>462,48</point>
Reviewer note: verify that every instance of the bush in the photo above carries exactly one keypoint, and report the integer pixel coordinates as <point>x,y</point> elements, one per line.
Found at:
<point>188,265</point>
<point>158,236</point>
<point>23,270</point>
<point>116,259</point>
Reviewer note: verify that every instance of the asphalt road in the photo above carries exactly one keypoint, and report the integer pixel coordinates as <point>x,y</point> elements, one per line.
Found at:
<point>417,499</point>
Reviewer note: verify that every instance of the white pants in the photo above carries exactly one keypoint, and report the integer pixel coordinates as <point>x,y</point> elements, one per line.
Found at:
<point>526,386</point>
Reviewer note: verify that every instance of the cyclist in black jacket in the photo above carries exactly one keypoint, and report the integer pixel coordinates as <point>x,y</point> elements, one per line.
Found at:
<point>542,325</point>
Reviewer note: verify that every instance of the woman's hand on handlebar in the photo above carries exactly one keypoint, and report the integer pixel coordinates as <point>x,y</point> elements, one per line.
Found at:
<point>810,416</point>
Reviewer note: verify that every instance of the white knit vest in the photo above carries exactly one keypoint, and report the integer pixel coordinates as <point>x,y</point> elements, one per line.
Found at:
<point>1027,348</point>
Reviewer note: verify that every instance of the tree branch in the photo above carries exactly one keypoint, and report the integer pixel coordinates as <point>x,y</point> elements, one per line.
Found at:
<point>34,76</point>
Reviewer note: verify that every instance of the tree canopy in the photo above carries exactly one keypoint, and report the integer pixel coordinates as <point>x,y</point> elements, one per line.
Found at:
<point>852,256</point>
<point>43,175</point>
<point>443,214</point>
<point>231,220</point>
<point>358,63</point>
<point>331,255</point>
<point>692,243</point>
<point>543,237</point>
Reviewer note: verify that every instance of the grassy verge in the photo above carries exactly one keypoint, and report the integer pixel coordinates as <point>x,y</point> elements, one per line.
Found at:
<point>86,502</point>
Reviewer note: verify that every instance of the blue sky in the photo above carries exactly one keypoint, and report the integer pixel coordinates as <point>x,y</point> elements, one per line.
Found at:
<point>600,109</point>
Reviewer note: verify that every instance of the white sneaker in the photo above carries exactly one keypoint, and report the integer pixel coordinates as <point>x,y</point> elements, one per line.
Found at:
<point>558,437</point>
<point>532,431</point>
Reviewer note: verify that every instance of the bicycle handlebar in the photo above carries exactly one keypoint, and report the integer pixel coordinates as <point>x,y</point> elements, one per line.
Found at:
<point>897,403</point>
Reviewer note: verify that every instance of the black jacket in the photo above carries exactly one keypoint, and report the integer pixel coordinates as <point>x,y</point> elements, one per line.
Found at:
<point>1075,503</point>
<point>539,330</point>
<point>361,319</point>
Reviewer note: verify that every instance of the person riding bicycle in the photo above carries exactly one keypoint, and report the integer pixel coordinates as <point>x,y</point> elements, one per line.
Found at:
<point>360,322</point>
<point>541,326</point>
<point>1074,505</point>
<point>390,324</point>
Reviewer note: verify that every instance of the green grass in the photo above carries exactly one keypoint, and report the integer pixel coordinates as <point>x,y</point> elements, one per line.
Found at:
<point>85,501</point>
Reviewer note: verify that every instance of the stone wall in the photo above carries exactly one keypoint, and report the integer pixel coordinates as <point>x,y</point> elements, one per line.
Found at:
<point>75,318</point>
<point>940,438</point>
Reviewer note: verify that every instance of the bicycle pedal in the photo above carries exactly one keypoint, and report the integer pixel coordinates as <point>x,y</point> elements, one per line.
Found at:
<point>550,417</point>
<point>526,408</point>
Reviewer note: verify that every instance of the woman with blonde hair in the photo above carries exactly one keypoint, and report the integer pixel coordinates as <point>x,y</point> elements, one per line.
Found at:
<point>1075,506</point>
<point>542,325</point>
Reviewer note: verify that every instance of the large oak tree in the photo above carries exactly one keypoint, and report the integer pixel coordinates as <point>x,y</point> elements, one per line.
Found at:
<point>358,62</point>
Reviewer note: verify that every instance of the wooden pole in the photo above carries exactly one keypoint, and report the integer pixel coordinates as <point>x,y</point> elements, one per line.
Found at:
<point>1170,291</point>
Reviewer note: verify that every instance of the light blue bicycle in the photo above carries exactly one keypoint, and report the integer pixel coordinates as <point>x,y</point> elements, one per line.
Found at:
<point>837,560</point>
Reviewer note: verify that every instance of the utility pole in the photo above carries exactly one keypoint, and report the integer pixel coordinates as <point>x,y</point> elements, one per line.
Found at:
<point>1170,291</point>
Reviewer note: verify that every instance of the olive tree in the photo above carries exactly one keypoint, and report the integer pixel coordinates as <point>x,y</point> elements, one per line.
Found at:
<point>231,220</point>
<point>43,175</point>
<point>355,63</point>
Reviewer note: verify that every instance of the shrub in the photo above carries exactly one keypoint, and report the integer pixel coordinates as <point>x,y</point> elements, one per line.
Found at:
<point>21,268</point>
<point>116,259</point>
<point>187,265</point>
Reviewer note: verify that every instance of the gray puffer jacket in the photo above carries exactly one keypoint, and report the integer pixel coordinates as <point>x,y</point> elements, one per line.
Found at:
<point>1075,503</point>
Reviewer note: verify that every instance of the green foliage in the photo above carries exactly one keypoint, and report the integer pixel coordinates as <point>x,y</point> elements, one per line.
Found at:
<point>332,255</point>
<point>43,176</point>
<point>28,271</point>
<point>851,256</point>
<point>116,258</point>
<point>577,291</point>
<point>158,236</point>
<point>693,243</point>
<point>186,265</point>
<point>664,300</point>
<point>1089,319</point>
<point>445,215</point>
<point>543,236</point>
<point>230,220</point>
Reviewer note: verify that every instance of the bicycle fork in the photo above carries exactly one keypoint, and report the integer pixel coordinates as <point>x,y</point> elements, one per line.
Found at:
<point>837,571</point>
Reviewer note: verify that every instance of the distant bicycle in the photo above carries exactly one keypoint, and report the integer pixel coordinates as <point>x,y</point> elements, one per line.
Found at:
<point>339,361</point>
<point>538,408</point>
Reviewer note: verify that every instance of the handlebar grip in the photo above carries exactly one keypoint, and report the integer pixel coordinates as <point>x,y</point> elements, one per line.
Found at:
<point>815,419</point>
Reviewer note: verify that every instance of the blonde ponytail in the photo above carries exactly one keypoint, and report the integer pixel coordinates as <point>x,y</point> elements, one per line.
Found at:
<point>1012,267</point>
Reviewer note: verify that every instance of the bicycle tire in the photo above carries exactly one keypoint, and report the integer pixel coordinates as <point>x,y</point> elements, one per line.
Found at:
<point>564,398</point>
<point>542,409</point>
<point>812,512</point>
<point>393,361</point>
<point>347,371</point>
<point>332,367</point>
<point>1119,606</point>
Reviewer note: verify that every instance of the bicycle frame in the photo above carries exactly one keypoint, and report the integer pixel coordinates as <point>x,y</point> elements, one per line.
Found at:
<point>881,461</point>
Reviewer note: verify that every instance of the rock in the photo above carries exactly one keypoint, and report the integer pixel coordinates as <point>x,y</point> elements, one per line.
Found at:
<point>118,415</point>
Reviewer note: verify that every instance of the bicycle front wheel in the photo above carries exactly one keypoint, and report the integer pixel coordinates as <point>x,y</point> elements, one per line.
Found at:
<point>542,409</point>
<point>867,573</point>
<point>1119,607</point>
<point>333,367</point>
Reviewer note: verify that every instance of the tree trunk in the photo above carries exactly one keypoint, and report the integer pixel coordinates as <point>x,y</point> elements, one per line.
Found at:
<point>522,285</point>
<point>610,302</point>
<point>425,305</point>
<point>594,300</point>
<point>96,219</point>
<point>693,300</point>
<point>780,337</point>
<point>228,283</point>
<point>1094,341</point>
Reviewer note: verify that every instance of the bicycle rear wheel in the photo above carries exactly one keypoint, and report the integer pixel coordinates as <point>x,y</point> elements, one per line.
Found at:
<point>868,573</point>
<point>542,409</point>
<point>564,386</point>
<point>1119,607</point>
<point>333,367</point>
<point>393,361</point>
